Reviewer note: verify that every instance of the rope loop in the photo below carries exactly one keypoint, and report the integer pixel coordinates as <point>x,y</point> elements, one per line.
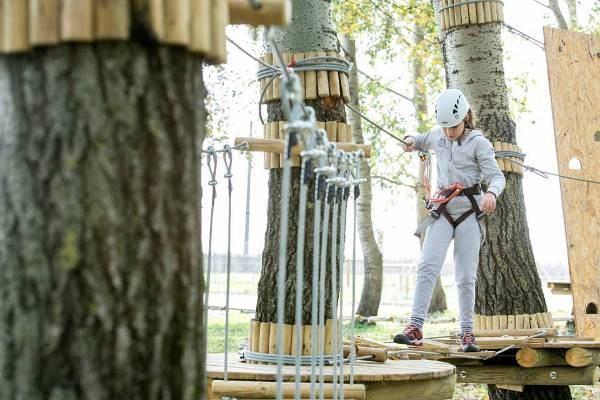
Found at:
<point>228,160</point>
<point>211,162</point>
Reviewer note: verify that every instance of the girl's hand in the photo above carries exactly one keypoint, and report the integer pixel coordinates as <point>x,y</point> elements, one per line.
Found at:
<point>409,144</point>
<point>489,202</point>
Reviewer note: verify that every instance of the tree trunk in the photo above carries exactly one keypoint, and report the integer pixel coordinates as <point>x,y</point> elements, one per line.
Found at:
<point>372,257</point>
<point>507,281</point>
<point>554,6</point>
<point>101,277</point>
<point>438,297</point>
<point>311,29</point>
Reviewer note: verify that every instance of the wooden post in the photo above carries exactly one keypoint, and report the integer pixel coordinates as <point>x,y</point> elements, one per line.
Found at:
<point>311,80</point>
<point>550,319</point>
<point>297,337</point>
<point>273,338</point>
<point>540,320</point>
<point>511,322</point>
<point>177,22</point>
<point>157,16</point>
<point>496,322</point>
<point>464,12</point>
<point>43,22</point>
<point>322,79</point>
<point>442,16</point>
<point>201,32</point>
<point>500,160</point>
<point>580,357</point>
<point>329,336</point>
<point>526,322</point>
<point>529,358</point>
<point>287,339</point>
<point>489,322</point>
<point>76,20</point>
<point>480,13</point>
<point>494,11</point>
<point>331,128</point>
<point>477,322</point>
<point>255,335</point>
<point>14,26</point>
<point>334,79</point>
<point>271,12</point>
<point>112,19</point>
<point>487,11</point>
<point>533,321</point>
<point>472,13</point>
<point>271,88</point>
<point>503,322</point>
<point>219,20</point>
<point>451,14</point>
<point>307,340</point>
<point>519,321</point>
<point>249,341</point>
<point>265,333</point>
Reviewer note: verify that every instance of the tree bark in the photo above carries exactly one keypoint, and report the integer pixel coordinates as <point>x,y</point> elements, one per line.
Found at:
<point>507,281</point>
<point>372,258</point>
<point>101,277</point>
<point>311,29</point>
<point>555,7</point>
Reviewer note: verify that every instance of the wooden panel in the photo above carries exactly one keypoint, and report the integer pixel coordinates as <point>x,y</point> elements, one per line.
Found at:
<point>576,126</point>
<point>112,19</point>
<point>15,33</point>
<point>43,22</point>
<point>76,20</point>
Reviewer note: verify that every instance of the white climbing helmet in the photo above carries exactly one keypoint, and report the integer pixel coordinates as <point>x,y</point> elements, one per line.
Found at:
<point>450,108</point>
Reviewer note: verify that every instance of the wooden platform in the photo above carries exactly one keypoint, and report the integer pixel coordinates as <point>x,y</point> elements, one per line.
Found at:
<point>423,379</point>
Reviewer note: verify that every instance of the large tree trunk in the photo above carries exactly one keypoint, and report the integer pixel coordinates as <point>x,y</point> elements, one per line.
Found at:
<point>372,258</point>
<point>101,276</point>
<point>311,29</point>
<point>507,281</point>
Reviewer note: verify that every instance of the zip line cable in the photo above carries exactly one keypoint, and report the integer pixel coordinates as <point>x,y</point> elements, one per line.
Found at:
<point>363,116</point>
<point>525,36</point>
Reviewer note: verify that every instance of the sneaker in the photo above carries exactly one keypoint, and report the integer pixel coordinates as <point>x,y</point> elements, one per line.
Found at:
<point>467,340</point>
<point>412,335</point>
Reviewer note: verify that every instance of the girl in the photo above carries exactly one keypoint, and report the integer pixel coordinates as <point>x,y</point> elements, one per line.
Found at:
<point>464,158</point>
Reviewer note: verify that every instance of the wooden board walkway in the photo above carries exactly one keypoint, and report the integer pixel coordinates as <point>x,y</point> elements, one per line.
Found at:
<point>422,379</point>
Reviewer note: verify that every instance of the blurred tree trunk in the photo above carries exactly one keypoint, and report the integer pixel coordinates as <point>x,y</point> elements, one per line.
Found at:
<point>372,258</point>
<point>508,280</point>
<point>101,278</point>
<point>311,29</point>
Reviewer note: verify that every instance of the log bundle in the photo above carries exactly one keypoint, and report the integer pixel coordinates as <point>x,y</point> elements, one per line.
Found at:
<point>453,13</point>
<point>514,325</point>
<point>511,164</point>
<point>198,25</point>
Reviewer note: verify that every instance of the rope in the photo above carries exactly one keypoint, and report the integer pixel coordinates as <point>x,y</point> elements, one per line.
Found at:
<point>525,36</point>
<point>363,116</point>
<point>537,171</point>
<point>288,359</point>
<point>227,159</point>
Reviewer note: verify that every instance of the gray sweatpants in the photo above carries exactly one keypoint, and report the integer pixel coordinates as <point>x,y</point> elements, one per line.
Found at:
<point>467,241</point>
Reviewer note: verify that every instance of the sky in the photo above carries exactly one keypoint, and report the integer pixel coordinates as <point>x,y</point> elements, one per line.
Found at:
<point>394,213</point>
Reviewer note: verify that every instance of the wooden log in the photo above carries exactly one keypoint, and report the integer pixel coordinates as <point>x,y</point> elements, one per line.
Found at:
<point>480,13</point>
<point>200,29</point>
<point>267,136</point>
<point>464,12</point>
<point>442,16</point>
<point>273,145</point>
<point>265,334</point>
<point>349,134</point>
<point>518,168</point>
<point>320,125</point>
<point>331,128</point>
<point>477,322</point>
<point>493,11</point>
<point>550,319</point>
<point>329,336</point>
<point>276,93</point>
<point>76,21</point>
<point>249,340</point>
<point>322,79</point>
<point>271,12</point>
<point>503,322</point>
<point>287,339</point>
<point>341,132</point>
<point>530,358</point>
<point>496,322</point>
<point>489,322</point>
<point>451,18</point>
<point>43,22</point>
<point>273,338</point>
<point>515,332</point>
<point>487,11</point>
<point>275,134</point>
<point>519,321</point>
<point>112,19</point>
<point>510,322</point>
<point>540,320</point>
<point>177,23</point>
<point>271,88</point>
<point>157,17</point>
<point>14,26</point>
<point>500,11</point>
<point>334,79</point>
<point>472,13</point>
<point>498,147</point>
<point>580,357</point>
<point>533,321</point>
<point>220,19</point>
<point>307,340</point>
<point>345,85</point>
<point>255,336</point>
<point>266,390</point>
<point>379,355</point>
<point>526,322</point>
<point>297,339</point>
<point>311,80</point>
<point>512,375</point>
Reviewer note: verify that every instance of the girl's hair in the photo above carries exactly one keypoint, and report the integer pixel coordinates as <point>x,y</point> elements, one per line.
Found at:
<point>470,120</point>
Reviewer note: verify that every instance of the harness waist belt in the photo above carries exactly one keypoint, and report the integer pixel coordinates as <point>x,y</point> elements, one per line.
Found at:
<point>473,190</point>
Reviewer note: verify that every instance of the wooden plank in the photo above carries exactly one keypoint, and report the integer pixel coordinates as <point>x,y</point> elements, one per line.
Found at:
<point>14,26</point>
<point>511,322</point>
<point>527,376</point>
<point>177,23</point>
<point>487,11</point>
<point>480,13</point>
<point>575,53</point>
<point>477,322</point>
<point>334,79</point>
<point>580,357</point>
<point>269,145</point>
<point>530,358</point>
<point>345,85</point>
<point>220,19</point>
<point>472,13</point>
<point>200,27</point>
<point>265,390</point>
<point>157,17</point>
<point>249,339</point>
<point>311,80</point>
<point>76,21</point>
<point>499,160</point>
<point>264,330</point>
<point>489,322</point>
<point>43,22</point>
<point>322,79</point>
<point>112,19</point>
<point>287,339</point>
<point>526,322</point>
<point>271,12</point>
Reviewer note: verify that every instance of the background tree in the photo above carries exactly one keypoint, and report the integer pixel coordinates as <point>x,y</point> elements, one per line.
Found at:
<point>101,277</point>
<point>311,29</point>
<point>508,280</point>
